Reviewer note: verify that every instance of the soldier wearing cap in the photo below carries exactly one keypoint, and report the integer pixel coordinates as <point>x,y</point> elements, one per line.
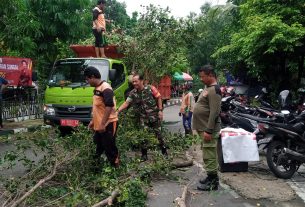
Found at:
<point>147,100</point>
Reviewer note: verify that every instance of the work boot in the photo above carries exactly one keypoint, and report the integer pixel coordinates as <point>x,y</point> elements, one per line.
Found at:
<point>211,183</point>
<point>97,165</point>
<point>144,156</point>
<point>204,180</point>
<point>186,132</point>
<point>164,151</point>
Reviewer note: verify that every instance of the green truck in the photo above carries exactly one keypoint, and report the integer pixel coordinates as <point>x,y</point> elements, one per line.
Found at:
<point>68,98</point>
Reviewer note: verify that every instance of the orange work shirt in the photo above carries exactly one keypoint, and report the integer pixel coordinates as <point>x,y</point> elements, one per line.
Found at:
<point>101,21</point>
<point>99,107</point>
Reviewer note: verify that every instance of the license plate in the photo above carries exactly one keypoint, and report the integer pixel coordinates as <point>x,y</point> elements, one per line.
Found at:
<point>69,122</point>
<point>265,140</point>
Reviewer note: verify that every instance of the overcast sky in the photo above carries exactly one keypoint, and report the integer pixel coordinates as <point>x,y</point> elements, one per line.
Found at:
<point>177,7</point>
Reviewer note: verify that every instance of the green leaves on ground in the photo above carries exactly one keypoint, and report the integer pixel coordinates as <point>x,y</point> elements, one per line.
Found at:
<point>77,182</point>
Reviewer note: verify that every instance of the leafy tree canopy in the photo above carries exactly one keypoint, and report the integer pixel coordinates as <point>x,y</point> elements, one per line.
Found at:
<point>269,39</point>
<point>155,47</point>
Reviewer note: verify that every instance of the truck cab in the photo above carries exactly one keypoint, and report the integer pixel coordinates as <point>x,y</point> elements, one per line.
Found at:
<point>68,97</point>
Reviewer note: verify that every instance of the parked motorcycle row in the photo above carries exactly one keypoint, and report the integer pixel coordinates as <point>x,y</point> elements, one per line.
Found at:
<point>279,130</point>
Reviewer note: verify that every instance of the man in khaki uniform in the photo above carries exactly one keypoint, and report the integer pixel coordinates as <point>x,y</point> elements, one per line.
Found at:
<point>206,122</point>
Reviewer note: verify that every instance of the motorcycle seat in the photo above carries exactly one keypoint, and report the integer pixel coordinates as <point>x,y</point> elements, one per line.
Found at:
<point>255,118</point>
<point>288,127</point>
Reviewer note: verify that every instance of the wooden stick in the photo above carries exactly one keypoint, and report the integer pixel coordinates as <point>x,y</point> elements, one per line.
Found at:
<point>181,200</point>
<point>187,163</point>
<point>42,181</point>
<point>7,200</point>
<point>54,201</point>
<point>195,162</point>
<point>108,201</point>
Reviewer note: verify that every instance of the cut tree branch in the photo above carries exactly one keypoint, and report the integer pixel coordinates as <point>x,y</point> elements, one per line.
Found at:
<point>186,163</point>
<point>41,182</point>
<point>181,200</point>
<point>108,201</point>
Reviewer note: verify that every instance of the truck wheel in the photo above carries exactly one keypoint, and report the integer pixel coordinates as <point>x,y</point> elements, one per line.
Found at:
<point>64,131</point>
<point>279,164</point>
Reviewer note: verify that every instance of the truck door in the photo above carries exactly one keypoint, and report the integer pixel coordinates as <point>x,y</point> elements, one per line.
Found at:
<point>118,84</point>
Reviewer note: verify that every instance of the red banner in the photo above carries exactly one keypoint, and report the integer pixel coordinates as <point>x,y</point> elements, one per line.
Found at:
<point>17,71</point>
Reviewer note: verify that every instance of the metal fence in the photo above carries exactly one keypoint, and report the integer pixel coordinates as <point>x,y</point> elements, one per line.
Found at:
<point>23,106</point>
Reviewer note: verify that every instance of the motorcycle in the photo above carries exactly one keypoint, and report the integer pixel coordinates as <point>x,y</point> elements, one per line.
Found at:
<point>285,144</point>
<point>262,98</point>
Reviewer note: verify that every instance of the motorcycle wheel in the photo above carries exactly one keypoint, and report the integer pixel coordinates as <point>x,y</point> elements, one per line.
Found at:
<point>280,164</point>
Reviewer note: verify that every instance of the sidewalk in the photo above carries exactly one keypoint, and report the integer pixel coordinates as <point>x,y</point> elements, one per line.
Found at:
<point>257,187</point>
<point>11,127</point>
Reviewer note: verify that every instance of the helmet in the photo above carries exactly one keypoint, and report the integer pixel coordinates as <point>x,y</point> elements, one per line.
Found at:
<point>285,99</point>
<point>230,90</point>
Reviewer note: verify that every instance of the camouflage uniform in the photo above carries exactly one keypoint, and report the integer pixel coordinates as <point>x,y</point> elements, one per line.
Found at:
<point>144,103</point>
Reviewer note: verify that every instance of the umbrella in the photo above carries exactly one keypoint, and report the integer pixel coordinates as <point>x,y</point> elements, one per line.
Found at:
<point>177,76</point>
<point>186,77</point>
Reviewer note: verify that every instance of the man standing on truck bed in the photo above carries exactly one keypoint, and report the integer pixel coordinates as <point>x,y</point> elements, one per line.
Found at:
<point>148,101</point>
<point>99,28</point>
<point>104,121</point>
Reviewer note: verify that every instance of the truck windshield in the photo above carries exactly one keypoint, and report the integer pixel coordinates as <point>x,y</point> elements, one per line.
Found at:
<point>70,73</point>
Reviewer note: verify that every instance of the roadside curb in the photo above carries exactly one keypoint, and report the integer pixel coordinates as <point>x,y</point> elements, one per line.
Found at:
<point>23,129</point>
<point>172,102</point>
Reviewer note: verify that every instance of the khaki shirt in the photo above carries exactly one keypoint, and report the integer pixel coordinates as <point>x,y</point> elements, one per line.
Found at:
<point>207,109</point>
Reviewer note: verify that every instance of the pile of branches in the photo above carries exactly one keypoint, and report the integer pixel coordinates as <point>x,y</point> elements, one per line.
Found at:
<point>59,171</point>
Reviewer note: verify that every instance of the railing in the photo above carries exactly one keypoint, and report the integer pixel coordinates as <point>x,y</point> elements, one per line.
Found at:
<point>26,106</point>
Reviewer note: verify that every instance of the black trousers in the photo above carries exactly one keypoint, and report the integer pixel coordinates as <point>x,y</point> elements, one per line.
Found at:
<point>100,39</point>
<point>105,142</point>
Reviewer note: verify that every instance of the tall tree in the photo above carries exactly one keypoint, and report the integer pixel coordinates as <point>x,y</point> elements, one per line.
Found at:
<point>66,21</point>
<point>116,11</point>
<point>18,29</point>
<point>271,40</point>
<point>207,32</point>
<point>155,46</point>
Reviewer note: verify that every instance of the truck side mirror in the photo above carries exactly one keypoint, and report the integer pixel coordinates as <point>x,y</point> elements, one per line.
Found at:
<point>34,76</point>
<point>112,74</point>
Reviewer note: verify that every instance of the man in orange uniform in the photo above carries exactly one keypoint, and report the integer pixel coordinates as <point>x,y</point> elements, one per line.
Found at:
<point>99,28</point>
<point>104,121</point>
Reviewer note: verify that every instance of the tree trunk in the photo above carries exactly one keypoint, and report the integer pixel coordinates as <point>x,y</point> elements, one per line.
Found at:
<point>300,70</point>
<point>283,74</point>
